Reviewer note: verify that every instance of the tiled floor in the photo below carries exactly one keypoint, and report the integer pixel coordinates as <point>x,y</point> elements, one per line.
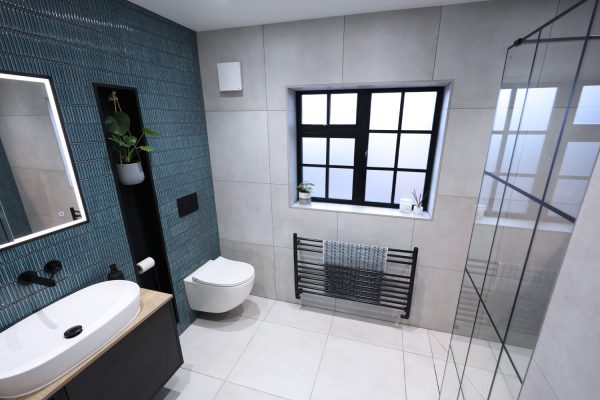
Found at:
<point>268,350</point>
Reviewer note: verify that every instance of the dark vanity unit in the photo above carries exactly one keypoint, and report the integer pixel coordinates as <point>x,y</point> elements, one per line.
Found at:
<point>135,365</point>
<point>139,205</point>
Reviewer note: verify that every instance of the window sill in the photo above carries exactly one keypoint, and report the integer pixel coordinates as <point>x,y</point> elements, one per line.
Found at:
<point>364,210</point>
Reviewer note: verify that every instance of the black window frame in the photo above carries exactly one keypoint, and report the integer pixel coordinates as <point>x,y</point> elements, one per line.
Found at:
<point>360,132</point>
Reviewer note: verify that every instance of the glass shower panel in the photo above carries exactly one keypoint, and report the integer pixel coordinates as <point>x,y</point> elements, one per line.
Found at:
<point>544,144</point>
<point>517,72</point>
<point>481,361</point>
<point>581,139</point>
<point>461,337</point>
<point>544,262</point>
<point>507,384</point>
<point>542,113</point>
<point>509,252</point>
<point>484,229</point>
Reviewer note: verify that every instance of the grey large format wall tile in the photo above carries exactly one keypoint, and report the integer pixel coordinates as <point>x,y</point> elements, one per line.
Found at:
<point>260,257</point>
<point>239,145</point>
<point>278,146</point>
<point>382,231</point>
<point>391,45</point>
<point>244,211</point>
<point>244,45</point>
<point>307,223</point>
<point>570,329</point>
<point>300,53</point>
<point>435,297</point>
<point>443,242</point>
<point>472,45</point>
<point>284,274</point>
<point>536,386</point>
<point>467,133</point>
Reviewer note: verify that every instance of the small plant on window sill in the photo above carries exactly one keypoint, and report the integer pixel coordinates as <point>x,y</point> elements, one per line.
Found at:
<point>418,207</point>
<point>304,190</point>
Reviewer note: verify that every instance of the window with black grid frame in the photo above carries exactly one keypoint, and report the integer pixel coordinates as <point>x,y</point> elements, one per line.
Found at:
<point>368,147</point>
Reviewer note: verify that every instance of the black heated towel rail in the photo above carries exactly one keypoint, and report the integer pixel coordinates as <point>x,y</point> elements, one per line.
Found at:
<point>385,289</point>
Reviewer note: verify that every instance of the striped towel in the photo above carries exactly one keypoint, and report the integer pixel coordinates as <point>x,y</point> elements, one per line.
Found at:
<point>355,256</point>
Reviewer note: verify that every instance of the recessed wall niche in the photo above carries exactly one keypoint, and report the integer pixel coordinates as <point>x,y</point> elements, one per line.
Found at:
<point>138,202</point>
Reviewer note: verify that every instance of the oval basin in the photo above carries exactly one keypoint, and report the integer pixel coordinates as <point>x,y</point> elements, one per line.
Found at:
<point>34,352</point>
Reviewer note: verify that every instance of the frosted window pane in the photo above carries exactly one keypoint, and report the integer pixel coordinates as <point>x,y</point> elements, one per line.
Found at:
<point>493,153</point>
<point>317,177</point>
<point>382,150</point>
<point>527,154</point>
<point>502,109</point>
<point>314,109</point>
<point>414,151</point>
<point>385,111</point>
<point>579,158</point>
<point>406,182</point>
<point>379,186</point>
<point>588,109</point>
<point>343,109</point>
<point>341,151</point>
<point>419,108</point>
<point>314,150</point>
<point>340,183</point>
<point>537,108</point>
<point>508,153</point>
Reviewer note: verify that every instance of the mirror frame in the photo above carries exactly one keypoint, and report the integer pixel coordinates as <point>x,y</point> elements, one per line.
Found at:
<point>65,150</point>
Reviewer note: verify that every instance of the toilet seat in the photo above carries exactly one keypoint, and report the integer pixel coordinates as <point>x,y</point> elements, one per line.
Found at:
<point>224,272</point>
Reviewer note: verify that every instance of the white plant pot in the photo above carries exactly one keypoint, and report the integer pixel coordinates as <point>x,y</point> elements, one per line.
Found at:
<point>130,174</point>
<point>304,198</point>
<point>418,210</point>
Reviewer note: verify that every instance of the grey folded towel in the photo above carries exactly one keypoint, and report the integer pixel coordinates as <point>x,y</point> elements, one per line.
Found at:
<point>355,256</point>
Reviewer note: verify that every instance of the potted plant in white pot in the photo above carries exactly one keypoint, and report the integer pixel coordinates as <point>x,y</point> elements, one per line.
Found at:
<point>304,190</point>
<point>127,146</point>
<point>418,207</point>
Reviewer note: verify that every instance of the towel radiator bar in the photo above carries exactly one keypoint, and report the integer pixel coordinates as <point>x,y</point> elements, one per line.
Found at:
<point>385,289</point>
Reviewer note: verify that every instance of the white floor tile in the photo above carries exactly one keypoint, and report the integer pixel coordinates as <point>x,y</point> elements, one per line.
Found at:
<point>298,316</point>
<point>280,360</point>
<point>230,391</point>
<point>481,355</point>
<point>367,330</point>
<point>420,377</point>
<point>254,307</point>
<point>416,340</point>
<point>439,344</point>
<point>212,347</point>
<point>189,385</point>
<point>440,369</point>
<point>476,383</point>
<point>353,370</point>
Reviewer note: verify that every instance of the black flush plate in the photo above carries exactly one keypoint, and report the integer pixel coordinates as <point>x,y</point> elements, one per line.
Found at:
<point>187,204</point>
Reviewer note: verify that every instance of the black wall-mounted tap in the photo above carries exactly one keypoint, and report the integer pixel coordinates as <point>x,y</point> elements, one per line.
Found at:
<point>28,277</point>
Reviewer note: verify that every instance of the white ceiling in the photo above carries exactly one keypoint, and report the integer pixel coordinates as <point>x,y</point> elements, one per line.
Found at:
<point>204,15</point>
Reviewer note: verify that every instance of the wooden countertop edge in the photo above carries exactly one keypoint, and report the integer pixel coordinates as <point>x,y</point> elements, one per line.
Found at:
<point>150,302</point>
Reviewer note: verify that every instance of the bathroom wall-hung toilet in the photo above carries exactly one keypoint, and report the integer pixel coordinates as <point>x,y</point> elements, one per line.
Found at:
<point>219,285</point>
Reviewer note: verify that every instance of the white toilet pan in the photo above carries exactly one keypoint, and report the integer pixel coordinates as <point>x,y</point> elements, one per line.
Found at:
<point>219,286</point>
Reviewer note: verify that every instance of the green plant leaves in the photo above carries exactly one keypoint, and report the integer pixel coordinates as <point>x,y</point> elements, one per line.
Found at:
<point>150,132</point>
<point>147,149</point>
<point>118,124</point>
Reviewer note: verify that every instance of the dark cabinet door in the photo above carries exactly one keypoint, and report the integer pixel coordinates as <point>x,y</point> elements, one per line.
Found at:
<point>137,367</point>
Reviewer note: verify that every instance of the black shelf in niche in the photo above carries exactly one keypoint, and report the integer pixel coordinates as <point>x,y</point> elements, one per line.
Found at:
<point>139,205</point>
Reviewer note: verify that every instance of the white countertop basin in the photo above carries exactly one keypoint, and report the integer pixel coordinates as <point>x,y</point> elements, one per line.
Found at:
<point>34,351</point>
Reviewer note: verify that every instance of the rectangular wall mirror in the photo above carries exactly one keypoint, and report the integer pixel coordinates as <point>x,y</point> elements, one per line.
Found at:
<point>39,193</point>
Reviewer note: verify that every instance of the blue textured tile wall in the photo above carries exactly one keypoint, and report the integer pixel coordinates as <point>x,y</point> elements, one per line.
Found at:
<point>111,41</point>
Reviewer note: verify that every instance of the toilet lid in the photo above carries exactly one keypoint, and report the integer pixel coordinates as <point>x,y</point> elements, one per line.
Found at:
<point>224,272</point>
